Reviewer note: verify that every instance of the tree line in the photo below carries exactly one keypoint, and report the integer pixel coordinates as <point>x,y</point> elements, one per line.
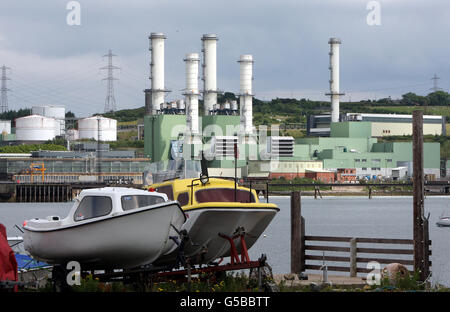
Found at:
<point>295,109</point>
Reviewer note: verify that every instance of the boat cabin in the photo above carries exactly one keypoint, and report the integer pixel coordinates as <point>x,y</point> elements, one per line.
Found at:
<point>189,192</point>
<point>102,203</point>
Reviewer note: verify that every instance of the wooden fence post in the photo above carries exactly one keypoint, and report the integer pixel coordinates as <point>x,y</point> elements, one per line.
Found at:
<point>426,249</point>
<point>418,194</point>
<point>296,230</point>
<point>302,245</point>
<point>353,263</point>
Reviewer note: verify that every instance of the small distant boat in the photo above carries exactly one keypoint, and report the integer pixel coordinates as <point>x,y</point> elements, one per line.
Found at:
<point>443,221</point>
<point>112,227</point>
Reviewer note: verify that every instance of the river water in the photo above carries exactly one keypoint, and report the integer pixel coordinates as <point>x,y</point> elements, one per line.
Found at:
<point>379,217</point>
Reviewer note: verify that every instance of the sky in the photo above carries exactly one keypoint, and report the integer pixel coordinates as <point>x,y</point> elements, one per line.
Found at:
<point>54,63</point>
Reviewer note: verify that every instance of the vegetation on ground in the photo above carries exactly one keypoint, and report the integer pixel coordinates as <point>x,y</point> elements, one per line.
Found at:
<point>240,282</point>
<point>124,144</point>
<point>294,181</point>
<point>28,148</point>
<point>206,282</point>
<point>125,115</point>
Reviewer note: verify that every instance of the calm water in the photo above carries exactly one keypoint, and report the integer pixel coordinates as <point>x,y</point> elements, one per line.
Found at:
<point>389,217</point>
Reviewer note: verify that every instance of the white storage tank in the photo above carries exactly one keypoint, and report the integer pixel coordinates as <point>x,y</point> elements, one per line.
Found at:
<point>98,128</point>
<point>234,105</point>
<point>56,112</point>
<point>5,126</point>
<point>72,135</point>
<point>35,128</point>
<point>180,104</point>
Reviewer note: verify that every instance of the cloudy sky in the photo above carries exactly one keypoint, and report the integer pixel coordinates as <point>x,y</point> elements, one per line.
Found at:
<point>57,64</point>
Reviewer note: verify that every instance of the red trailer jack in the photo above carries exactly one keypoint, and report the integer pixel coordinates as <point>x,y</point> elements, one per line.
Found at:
<point>233,250</point>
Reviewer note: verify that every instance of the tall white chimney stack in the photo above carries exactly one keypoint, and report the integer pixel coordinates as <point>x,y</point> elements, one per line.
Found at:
<point>191,93</point>
<point>157,71</point>
<point>246,94</point>
<point>209,71</point>
<point>334,78</point>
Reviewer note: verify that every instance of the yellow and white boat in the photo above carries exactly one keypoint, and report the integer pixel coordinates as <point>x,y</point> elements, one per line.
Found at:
<point>216,209</point>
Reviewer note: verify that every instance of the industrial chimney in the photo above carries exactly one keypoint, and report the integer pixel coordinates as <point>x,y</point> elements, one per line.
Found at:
<point>246,95</point>
<point>191,93</point>
<point>209,72</point>
<point>154,97</point>
<point>334,78</point>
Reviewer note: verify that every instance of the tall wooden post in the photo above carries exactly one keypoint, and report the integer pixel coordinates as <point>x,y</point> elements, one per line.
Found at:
<point>418,194</point>
<point>296,233</point>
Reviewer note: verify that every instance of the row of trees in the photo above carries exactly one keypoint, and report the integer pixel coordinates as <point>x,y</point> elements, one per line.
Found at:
<point>438,98</point>
<point>281,106</point>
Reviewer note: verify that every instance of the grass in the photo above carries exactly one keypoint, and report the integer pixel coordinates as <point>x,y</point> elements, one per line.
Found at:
<point>230,282</point>
<point>240,282</point>
<point>28,148</point>
<point>127,135</point>
<point>295,133</point>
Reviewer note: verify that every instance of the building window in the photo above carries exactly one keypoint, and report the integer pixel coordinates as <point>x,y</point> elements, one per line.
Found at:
<point>363,168</point>
<point>376,160</point>
<point>389,160</point>
<point>357,160</point>
<point>364,160</point>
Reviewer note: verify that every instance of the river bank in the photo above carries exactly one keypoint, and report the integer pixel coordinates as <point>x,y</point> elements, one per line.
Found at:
<point>355,193</point>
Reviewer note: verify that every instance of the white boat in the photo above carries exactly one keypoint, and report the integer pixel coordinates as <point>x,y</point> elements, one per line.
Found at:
<point>213,208</point>
<point>112,227</point>
<point>443,221</point>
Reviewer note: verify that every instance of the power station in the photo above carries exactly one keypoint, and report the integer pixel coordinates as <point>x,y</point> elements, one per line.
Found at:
<point>174,137</point>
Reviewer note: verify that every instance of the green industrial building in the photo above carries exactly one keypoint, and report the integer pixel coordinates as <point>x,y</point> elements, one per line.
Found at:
<point>350,145</point>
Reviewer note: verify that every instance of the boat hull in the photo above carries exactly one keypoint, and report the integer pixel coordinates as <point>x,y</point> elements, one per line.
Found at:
<point>443,222</point>
<point>127,240</point>
<point>205,224</point>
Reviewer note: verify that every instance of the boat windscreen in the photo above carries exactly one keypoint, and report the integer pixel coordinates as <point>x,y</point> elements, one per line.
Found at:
<point>223,195</point>
<point>138,201</point>
<point>166,189</point>
<point>93,207</point>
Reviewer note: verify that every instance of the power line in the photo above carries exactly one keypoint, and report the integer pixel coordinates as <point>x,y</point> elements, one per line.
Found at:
<point>110,101</point>
<point>4,90</point>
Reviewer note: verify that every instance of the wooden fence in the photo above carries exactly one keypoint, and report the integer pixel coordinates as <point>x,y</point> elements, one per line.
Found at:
<point>355,254</point>
<point>356,250</point>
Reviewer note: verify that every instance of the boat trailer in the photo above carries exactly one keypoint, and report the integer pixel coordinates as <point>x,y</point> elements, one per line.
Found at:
<point>238,261</point>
